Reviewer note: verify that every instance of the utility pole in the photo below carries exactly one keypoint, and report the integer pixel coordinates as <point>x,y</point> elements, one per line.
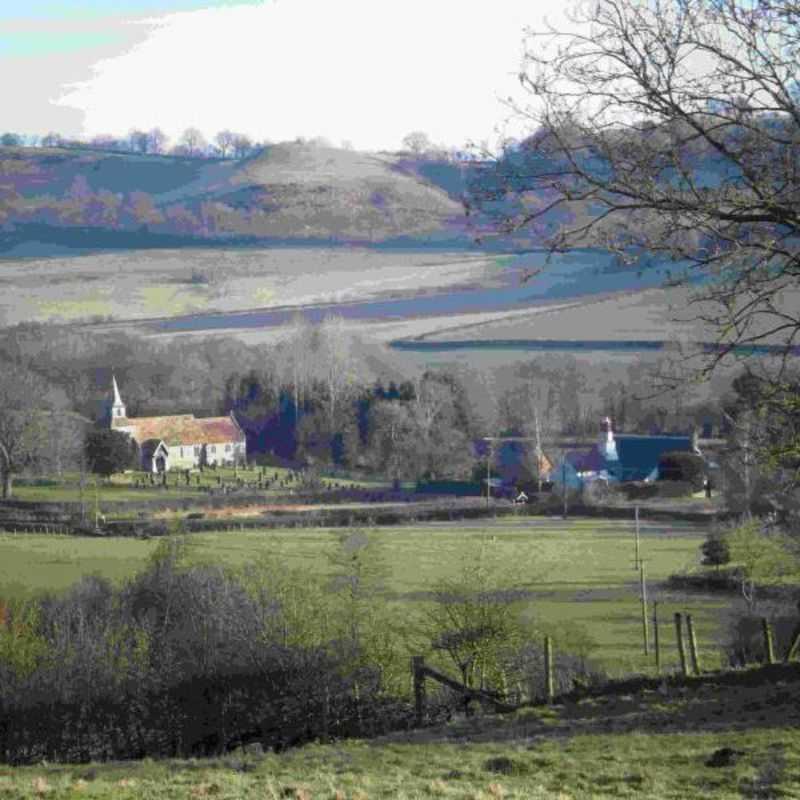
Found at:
<point>488,473</point>
<point>81,485</point>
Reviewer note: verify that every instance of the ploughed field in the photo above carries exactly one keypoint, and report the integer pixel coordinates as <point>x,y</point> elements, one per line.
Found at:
<point>576,577</point>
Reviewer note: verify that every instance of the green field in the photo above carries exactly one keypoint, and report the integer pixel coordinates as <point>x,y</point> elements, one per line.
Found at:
<point>579,575</point>
<point>647,742</point>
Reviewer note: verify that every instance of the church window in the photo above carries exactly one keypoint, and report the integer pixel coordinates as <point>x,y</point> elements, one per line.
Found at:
<point>213,448</point>
<point>197,449</point>
<point>227,448</point>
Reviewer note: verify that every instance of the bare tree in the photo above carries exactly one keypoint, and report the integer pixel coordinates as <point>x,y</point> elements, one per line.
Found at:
<point>669,129</point>
<point>194,142</point>
<point>26,405</point>
<point>139,141</point>
<point>418,142</point>
<point>337,365</point>
<point>242,146</point>
<point>157,140</point>
<point>225,142</point>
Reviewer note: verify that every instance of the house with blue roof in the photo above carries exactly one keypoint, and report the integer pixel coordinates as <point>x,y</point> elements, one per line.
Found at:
<point>620,457</point>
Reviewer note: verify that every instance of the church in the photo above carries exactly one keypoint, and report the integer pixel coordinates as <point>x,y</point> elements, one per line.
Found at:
<point>180,441</point>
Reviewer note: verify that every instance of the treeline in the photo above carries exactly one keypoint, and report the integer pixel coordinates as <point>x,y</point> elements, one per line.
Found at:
<point>134,213</point>
<point>311,398</point>
<point>191,143</point>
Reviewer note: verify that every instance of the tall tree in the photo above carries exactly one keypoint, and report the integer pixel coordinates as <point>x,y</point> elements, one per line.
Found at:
<point>242,146</point>
<point>225,141</point>
<point>157,140</point>
<point>27,403</point>
<point>109,451</point>
<point>194,142</point>
<point>669,129</point>
<point>139,141</point>
<point>418,142</point>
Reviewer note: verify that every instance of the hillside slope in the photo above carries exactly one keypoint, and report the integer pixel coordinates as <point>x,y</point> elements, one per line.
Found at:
<point>286,191</point>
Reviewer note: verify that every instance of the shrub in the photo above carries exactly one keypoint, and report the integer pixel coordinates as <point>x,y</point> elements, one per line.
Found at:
<point>639,490</point>
<point>682,466</point>
<point>185,659</point>
<point>716,551</point>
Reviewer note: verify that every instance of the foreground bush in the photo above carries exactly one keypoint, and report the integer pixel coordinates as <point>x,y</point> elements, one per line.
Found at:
<point>183,660</point>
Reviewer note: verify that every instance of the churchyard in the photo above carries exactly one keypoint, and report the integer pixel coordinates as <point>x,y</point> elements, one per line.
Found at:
<point>270,482</point>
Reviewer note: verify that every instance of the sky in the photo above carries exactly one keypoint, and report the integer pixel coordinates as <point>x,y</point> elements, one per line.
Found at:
<point>366,72</point>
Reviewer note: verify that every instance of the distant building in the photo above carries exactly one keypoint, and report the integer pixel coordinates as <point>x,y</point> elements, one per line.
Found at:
<point>179,441</point>
<point>619,457</point>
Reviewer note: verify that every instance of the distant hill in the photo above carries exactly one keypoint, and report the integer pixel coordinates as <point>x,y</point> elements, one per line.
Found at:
<point>287,191</point>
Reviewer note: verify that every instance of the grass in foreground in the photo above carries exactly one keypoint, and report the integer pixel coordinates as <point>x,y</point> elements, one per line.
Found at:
<point>612,765</point>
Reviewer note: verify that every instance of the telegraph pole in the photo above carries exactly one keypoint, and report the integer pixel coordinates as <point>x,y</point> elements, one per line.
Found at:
<point>489,454</point>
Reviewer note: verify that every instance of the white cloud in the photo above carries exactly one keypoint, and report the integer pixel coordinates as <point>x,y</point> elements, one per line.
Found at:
<point>364,71</point>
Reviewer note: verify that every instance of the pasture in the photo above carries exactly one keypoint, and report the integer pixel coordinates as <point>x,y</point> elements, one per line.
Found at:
<point>576,577</point>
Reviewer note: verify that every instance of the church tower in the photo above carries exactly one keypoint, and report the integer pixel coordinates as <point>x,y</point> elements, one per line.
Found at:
<point>117,408</point>
<point>608,447</point>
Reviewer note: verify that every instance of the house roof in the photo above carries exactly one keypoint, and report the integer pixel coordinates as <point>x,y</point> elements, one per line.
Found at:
<point>183,429</point>
<point>639,455</point>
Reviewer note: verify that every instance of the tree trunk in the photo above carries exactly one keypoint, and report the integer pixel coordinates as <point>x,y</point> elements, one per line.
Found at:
<point>7,479</point>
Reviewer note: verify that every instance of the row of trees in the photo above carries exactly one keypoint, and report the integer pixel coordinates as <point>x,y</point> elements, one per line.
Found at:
<point>192,143</point>
<point>311,398</point>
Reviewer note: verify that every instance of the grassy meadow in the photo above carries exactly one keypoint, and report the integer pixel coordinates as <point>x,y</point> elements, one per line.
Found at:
<point>577,576</point>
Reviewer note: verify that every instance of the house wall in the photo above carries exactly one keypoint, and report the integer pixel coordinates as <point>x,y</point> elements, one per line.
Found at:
<point>218,453</point>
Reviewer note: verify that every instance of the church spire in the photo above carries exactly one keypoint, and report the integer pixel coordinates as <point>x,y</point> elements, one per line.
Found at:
<point>117,406</point>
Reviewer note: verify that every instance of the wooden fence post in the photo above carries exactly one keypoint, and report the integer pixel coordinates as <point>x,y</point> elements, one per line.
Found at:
<point>656,643</point>
<point>794,646</point>
<point>637,561</point>
<point>417,668</point>
<point>548,669</point>
<point>681,646</point>
<point>769,648</point>
<point>692,644</point>
<point>645,633</point>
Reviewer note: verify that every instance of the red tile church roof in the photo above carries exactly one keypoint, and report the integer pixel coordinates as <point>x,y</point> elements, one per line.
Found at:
<point>182,429</point>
